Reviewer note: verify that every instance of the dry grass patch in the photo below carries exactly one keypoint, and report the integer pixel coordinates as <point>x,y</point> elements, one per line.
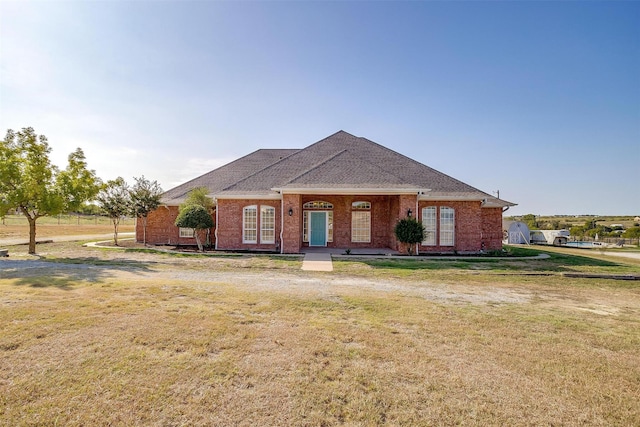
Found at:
<point>141,349</point>
<point>21,231</point>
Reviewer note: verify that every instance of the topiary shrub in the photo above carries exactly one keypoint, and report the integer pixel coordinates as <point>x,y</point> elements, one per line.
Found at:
<point>410,231</point>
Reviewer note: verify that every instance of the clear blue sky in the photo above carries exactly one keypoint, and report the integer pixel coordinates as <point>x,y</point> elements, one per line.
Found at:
<point>540,100</point>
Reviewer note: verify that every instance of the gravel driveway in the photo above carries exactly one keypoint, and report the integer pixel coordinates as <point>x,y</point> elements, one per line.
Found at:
<point>149,267</point>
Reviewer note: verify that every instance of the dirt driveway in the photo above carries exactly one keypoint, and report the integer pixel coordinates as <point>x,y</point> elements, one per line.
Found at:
<point>263,274</point>
<point>143,267</point>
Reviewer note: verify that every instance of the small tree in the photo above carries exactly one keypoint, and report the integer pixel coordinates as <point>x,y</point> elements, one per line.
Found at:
<point>29,182</point>
<point>115,202</point>
<point>200,196</point>
<point>632,233</point>
<point>76,183</point>
<point>531,221</point>
<point>145,198</point>
<point>195,217</point>
<point>410,231</point>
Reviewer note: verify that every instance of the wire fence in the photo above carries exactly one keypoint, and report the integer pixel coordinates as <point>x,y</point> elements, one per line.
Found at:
<point>67,219</point>
<point>615,240</point>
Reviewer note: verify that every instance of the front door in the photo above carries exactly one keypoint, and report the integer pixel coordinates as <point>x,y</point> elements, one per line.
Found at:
<point>318,228</point>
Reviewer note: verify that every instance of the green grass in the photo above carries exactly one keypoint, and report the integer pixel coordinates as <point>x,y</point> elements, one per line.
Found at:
<point>441,268</point>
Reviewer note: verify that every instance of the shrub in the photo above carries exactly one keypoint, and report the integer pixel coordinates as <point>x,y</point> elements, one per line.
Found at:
<point>410,231</point>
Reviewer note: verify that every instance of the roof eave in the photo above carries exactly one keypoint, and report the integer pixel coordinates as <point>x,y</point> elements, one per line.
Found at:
<point>487,202</point>
<point>341,191</point>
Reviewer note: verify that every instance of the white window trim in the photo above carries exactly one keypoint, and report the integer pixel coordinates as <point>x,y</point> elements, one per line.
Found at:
<point>186,233</point>
<point>431,230</point>
<point>444,230</point>
<point>318,205</point>
<point>353,234</point>
<point>361,205</point>
<point>305,225</point>
<point>263,222</point>
<point>246,209</point>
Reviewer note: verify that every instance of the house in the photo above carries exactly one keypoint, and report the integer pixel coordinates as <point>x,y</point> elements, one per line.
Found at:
<point>340,192</point>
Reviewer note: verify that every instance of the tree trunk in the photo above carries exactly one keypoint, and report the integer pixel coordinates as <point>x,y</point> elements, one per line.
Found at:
<point>144,230</point>
<point>195,233</point>
<point>115,230</point>
<point>32,233</point>
<point>409,248</point>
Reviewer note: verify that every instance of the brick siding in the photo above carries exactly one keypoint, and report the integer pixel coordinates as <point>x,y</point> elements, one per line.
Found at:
<point>229,227</point>
<point>475,227</point>
<point>161,228</point>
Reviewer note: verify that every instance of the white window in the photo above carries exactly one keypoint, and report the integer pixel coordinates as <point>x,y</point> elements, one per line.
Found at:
<point>361,205</point>
<point>305,226</point>
<point>186,233</point>
<point>317,205</point>
<point>267,224</point>
<point>429,221</point>
<point>361,222</point>
<point>250,224</point>
<point>447,226</point>
<point>361,226</point>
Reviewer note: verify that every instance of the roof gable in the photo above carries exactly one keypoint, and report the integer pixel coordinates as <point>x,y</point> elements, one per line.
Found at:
<point>340,161</point>
<point>344,169</point>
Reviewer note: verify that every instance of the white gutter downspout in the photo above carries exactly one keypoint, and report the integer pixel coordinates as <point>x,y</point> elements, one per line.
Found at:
<point>215,233</point>
<point>417,244</point>
<point>281,223</point>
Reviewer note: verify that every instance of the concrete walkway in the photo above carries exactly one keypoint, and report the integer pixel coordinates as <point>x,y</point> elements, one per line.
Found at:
<point>317,261</point>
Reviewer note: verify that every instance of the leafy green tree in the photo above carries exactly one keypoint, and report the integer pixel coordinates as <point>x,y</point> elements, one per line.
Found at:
<point>530,220</point>
<point>77,183</point>
<point>632,233</point>
<point>145,198</point>
<point>599,230</point>
<point>577,231</point>
<point>409,231</point>
<point>115,201</point>
<point>30,183</point>
<point>200,196</point>
<point>195,217</point>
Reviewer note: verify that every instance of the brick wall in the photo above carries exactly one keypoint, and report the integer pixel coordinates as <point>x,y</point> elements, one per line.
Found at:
<point>474,226</point>
<point>161,228</point>
<point>229,227</point>
<point>381,216</point>
<point>492,228</point>
<point>292,232</point>
<point>406,202</point>
<point>468,226</point>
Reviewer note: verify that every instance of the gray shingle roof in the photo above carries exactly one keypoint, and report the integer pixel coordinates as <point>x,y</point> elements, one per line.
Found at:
<point>224,176</point>
<point>341,160</point>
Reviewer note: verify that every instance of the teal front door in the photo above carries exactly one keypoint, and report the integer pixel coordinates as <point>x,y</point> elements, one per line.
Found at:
<point>318,228</point>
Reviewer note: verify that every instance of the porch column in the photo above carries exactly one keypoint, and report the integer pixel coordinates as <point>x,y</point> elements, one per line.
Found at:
<point>291,224</point>
<point>405,202</point>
